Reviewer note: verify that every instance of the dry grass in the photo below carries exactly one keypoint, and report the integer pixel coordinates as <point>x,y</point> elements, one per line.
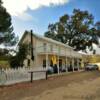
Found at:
<point>4,64</point>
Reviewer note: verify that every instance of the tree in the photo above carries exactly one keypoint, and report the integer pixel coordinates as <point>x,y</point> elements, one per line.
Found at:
<point>7,36</point>
<point>17,60</point>
<point>76,30</point>
<point>4,52</point>
<point>97,26</point>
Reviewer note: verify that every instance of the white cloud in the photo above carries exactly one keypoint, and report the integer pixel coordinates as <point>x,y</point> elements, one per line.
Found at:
<point>25,16</point>
<point>18,7</point>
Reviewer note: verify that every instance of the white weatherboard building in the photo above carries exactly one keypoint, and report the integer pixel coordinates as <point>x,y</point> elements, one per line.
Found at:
<point>48,52</point>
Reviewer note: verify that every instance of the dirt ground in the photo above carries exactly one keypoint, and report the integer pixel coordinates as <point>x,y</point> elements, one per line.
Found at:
<point>73,86</point>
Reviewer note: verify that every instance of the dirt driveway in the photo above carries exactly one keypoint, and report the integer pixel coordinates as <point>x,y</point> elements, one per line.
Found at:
<point>73,86</point>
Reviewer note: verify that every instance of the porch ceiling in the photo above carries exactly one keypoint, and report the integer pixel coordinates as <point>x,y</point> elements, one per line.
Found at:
<point>61,55</point>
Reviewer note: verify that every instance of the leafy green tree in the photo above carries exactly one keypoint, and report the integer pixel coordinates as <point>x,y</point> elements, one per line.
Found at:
<point>7,36</point>
<point>76,30</point>
<point>97,26</point>
<point>3,52</point>
<point>17,60</point>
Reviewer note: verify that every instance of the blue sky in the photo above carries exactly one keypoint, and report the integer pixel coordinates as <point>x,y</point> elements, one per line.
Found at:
<point>38,16</point>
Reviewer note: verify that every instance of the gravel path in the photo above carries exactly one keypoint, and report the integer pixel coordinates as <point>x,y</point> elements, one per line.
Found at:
<point>73,86</point>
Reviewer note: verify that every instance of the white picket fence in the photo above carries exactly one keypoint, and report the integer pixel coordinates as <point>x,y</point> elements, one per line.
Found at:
<point>14,76</point>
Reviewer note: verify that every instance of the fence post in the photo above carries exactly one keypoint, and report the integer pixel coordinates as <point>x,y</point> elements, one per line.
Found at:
<point>46,75</point>
<point>31,77</point>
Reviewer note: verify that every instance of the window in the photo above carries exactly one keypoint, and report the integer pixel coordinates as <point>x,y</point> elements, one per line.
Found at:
<point>28,62</point>
<point>51,47</point>
<point>44,63</point>
<point>44,46</point>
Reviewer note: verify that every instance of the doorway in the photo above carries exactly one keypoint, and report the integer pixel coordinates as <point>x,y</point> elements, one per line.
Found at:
<point>60,65</point>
